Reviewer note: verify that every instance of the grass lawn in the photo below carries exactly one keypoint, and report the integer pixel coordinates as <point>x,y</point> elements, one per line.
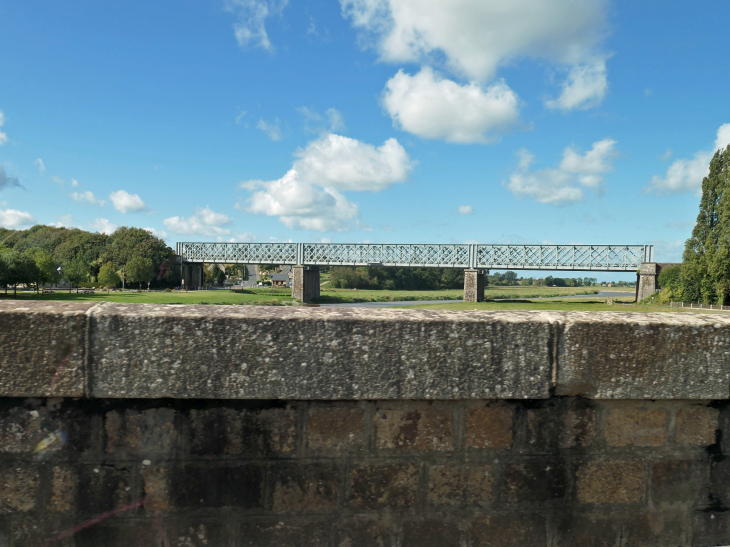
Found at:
<point>574,304</point>
<point>266,296</point>
<point>245,296</point>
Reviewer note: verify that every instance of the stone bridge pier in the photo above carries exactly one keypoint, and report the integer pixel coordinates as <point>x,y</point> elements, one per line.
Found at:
<point>474,285</point>
<point>192,276</point>
<point>306,283</point>
<point>647,278</point>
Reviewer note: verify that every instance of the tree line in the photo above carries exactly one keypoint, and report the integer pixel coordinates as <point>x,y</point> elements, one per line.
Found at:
<point>32,257</point>
<point>704,274</point>
<point>431,279</point>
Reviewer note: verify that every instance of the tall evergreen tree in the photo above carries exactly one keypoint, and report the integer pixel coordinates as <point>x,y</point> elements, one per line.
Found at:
<point>705,272</point>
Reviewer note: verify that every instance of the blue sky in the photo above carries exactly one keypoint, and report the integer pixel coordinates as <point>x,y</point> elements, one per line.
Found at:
<point>363,120</point>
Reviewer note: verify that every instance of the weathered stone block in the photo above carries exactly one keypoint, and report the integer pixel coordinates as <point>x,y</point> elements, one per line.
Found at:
<point>20,430</point>
<point>719,487</point>
<point>42,348</point>
<point>141,432</point>
<point>535,481</point>
<point>252,352</point>
<point>611,482</point>
<point>335,429</point>
<point>460,485</point>
<point>366,532</point>
<point>676,481</point>
<point>588,531</point>
<point>509,530</point>
<point>129,534</point>
<point>426,428</point>
<point>245,432</point>
<point>608,355</point>
<point>64,489</point>
<point>431,533</point>
<point>710,528</point>
<point>657,530</point>
<point>697,425</point>
<point>156,484</point>
<point>550,429</point>
<point>383,485</point>
<point>199,486</point>
<point>639,426</point>
<point>308,488</point>
<point>579,428</point>
<point>284,533</point>
<point>18,487</point>
<point>489,427</point>
<point>103,487</point>
<point>193,532</point>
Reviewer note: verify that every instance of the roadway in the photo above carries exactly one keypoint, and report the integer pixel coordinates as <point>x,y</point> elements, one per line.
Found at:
<point>253,277</point>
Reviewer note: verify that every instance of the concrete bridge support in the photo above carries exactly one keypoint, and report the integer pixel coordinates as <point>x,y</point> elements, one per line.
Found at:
<point>192,276</point>
<point>647,278</point>
<point>474,285</point>
<point>306,283</point>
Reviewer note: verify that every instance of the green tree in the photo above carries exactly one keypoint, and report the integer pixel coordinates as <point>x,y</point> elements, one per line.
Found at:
<point>213,273</point>
<point>108,276</point>
<point>76,271</point>
<point>47,272</point>
<point>705,274</point>
<point>127,243</point>
<point>4,272</point>
<point>19,268</point>
<point>140,269</point>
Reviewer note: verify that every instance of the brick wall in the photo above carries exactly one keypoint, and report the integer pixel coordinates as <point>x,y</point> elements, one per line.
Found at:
<point>563,471</point>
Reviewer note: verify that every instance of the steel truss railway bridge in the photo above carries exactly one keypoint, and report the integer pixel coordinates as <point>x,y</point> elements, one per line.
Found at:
<point>475,259</point>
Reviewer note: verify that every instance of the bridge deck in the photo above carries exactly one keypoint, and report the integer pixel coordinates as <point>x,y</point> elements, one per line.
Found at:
<point>609,258</point>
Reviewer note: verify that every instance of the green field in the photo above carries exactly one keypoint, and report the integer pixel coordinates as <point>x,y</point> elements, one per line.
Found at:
<point>622,304</point>
<point>587,304</point>
<point>266,296</point>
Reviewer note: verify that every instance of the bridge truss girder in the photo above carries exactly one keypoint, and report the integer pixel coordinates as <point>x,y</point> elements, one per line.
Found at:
<point>607,258</point>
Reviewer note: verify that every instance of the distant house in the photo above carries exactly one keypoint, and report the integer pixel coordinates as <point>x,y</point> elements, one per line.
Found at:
<point>280,280</point>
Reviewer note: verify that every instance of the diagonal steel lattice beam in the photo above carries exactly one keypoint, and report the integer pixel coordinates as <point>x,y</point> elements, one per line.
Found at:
<point>606,258</point>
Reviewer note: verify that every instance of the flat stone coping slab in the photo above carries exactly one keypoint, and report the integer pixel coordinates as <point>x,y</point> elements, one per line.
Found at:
<point>108,350</point>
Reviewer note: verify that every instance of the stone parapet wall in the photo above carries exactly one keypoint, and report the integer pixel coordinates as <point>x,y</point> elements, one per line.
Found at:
<point>254,352</point>
<point>565,471</point>
<point>194,426</point>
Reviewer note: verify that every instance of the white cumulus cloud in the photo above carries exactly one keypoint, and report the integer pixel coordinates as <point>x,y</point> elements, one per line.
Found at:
<point>103,225</point>
<point>565,184</point>
<point>250,27</point>
<point>437,108</point>
<point>308,195</point>
<point>12,218</point>
<point>585,87</point>
<point>87,196</point>
<point>3,136</point>
<point>299,204</point>
<point>685,175</point>
<point>348,164</point>
<point>162,234</point>
<point>126,202</point>
<point>466,209</point>
<point>204,222</point>
<point>64,221</point>
<point>476,37</point>
<point>41,166</point>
